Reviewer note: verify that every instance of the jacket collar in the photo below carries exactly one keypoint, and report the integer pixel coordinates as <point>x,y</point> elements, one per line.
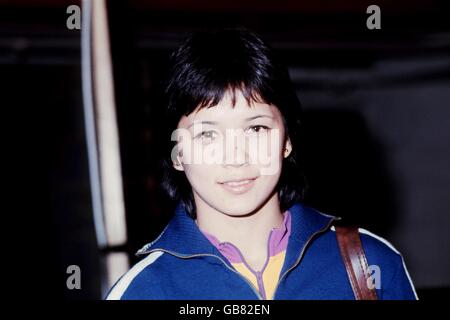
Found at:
<point>306,224</point>
<point>183,237</point>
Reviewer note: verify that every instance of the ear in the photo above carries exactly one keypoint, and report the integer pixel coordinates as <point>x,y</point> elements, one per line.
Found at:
<point>287,148</point>
<point>177,164</point>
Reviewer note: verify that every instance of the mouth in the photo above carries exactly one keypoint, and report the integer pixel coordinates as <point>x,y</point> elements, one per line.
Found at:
<point>238,186</point>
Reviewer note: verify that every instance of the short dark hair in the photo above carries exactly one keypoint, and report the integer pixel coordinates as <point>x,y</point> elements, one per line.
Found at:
<point>202,70</point>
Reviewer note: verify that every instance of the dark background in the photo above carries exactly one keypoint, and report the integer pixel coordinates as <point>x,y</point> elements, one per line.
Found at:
<point>377,125</point>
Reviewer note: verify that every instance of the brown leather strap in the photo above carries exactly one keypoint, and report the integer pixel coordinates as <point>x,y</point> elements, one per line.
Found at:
<point>355,262</point>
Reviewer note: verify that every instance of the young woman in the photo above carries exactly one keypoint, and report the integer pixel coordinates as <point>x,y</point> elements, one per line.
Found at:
<point>240,230</point>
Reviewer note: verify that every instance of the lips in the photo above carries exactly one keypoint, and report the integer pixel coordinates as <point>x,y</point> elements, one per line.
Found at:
<point>238,186</point>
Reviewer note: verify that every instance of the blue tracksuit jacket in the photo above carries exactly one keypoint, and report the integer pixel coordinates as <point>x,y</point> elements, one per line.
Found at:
<point>182,264</point>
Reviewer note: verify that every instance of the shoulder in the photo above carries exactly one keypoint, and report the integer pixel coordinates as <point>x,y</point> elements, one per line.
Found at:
<point>379,247</point>
<point>130,285</point>
<point>379,251</point>
<point>376,246</point>
<point>383,256</point>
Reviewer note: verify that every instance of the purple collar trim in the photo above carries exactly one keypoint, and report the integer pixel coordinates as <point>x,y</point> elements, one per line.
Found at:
<point>278,241</point>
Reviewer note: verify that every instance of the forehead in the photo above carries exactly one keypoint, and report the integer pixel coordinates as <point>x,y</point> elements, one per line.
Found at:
<point>225,112</point>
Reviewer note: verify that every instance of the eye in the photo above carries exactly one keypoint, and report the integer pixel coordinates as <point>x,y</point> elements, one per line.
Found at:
<point>207,136</point>
<point>258,129</point>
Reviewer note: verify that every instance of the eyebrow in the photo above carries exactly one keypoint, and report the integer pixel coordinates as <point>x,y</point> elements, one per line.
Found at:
<point>215,122</point>
<point>259,116</point>
<point>202,122</point>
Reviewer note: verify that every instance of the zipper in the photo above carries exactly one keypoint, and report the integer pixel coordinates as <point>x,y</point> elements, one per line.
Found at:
<point>210,255</point>
<point>144,249</point>
<point>303,252</point>
<point>257,274</point>
<point>261,284</point>
<point>260,273</point>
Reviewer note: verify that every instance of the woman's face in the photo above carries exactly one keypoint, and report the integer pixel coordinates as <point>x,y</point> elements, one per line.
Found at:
<point>232,156</point>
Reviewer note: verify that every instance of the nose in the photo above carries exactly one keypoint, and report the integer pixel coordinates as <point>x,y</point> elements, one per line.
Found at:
<point>236,153</point>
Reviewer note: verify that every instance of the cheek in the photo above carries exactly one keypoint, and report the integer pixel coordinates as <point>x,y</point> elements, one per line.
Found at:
<point>267,152</point>
<point>199,175</point>
<point>198,154</point>
<point>270,178</point>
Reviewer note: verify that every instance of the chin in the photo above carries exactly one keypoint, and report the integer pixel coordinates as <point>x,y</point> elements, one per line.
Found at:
<point>238,208</point>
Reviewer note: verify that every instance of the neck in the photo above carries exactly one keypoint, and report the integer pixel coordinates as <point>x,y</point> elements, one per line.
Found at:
<point>249,233</point>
